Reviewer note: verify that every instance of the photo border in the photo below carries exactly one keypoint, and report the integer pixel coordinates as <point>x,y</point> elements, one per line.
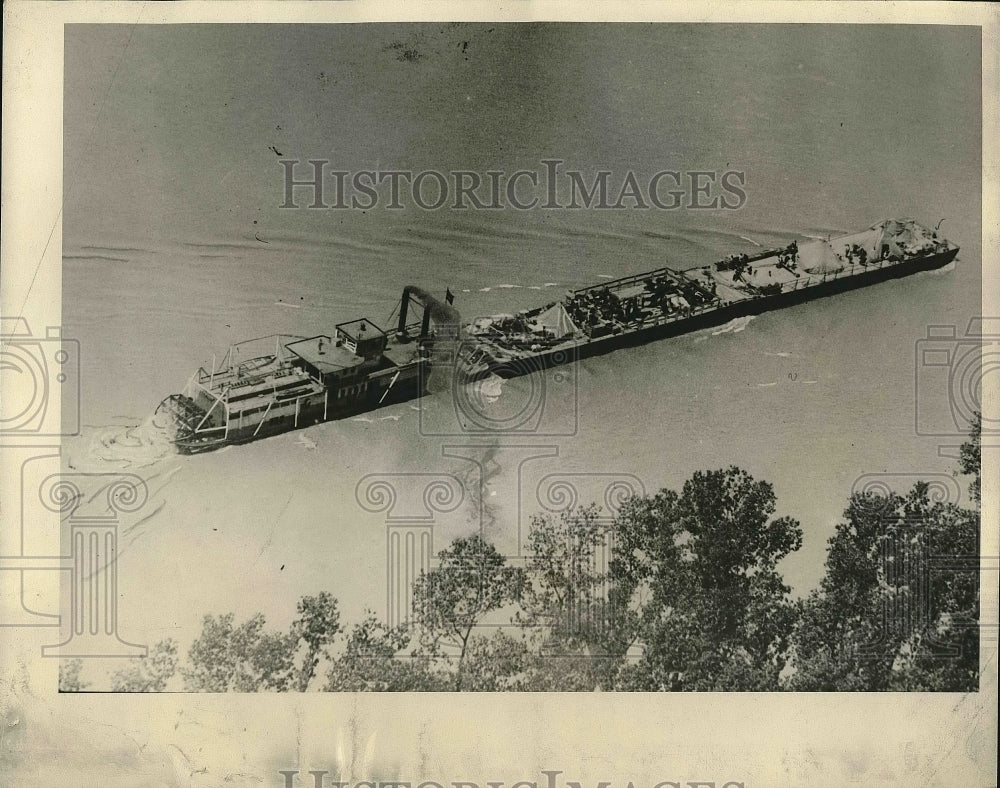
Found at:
<point>755,739</point>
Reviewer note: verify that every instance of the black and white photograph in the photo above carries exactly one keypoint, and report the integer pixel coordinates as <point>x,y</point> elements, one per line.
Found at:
<point>402,366</point>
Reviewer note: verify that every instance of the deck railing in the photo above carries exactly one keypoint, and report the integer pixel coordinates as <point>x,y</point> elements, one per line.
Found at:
<point>803,281</point>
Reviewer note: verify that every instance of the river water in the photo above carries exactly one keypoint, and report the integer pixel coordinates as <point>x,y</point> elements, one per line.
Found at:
<point>175,246</point>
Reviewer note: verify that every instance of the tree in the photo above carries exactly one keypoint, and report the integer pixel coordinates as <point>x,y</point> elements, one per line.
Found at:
<point>316,627</point>
<point>556,666</point>
<point>566,577</point>
<point>69,676</point>
<point>898,607</point>
<point>370,662</point>
<point>246,658</point>
<point>699,572</point>
<point>970,456</point>
<point>567,598</point>
<point>499,663</point>
<point>148,674</point>
<point>471,580</point>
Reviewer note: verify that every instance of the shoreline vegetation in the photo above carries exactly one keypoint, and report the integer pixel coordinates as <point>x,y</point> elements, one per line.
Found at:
<point>689,599</point>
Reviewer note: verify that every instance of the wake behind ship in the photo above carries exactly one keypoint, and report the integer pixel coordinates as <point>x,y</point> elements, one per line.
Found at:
<point>280,383</point>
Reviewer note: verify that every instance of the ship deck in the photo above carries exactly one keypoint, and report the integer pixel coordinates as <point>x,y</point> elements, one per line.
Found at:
<point>739,280</point>
<point>761,272</point>
<point>275,383</point>
<point>324,355</point>
<point>401,355</point>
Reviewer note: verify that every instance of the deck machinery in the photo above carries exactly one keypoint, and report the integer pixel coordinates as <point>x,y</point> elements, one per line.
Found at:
<point>280,383</point>
<point>640,308</point>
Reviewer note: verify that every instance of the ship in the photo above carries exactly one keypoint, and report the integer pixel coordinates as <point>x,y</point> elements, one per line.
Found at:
<point>666,302</point>
<point>279,383</point>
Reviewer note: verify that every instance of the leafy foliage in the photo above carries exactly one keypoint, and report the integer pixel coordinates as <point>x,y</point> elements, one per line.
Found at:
<point>580,640</point>
<point>69,676</point>
<point>899,606</point>
<point>692,599</point>
<point>149,674</point>
<point>566,592</point>
<point>700,567</point>
<point>970,457</point>
<point>316,627</point>
<point>248,658</point>
<point>498,663</point>
<point>370,663</point>
<point>472,580</point>
<point>245,658</point>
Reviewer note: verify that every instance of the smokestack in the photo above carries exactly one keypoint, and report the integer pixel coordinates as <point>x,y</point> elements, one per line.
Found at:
<point>444,315</point>
<point>404,305</point>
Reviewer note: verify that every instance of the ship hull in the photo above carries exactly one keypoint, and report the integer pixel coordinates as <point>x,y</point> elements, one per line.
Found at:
<point>586,348</point>
<point>309,414</point>
<point>307,381</point>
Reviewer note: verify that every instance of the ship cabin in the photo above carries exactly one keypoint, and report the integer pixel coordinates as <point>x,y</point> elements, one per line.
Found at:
<point>342,363</point>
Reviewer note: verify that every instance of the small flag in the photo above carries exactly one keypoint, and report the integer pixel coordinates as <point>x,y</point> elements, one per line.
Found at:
<point>449,296</point>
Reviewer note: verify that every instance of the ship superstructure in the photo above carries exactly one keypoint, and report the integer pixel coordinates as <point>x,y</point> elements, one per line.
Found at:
<point>280,383</point>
